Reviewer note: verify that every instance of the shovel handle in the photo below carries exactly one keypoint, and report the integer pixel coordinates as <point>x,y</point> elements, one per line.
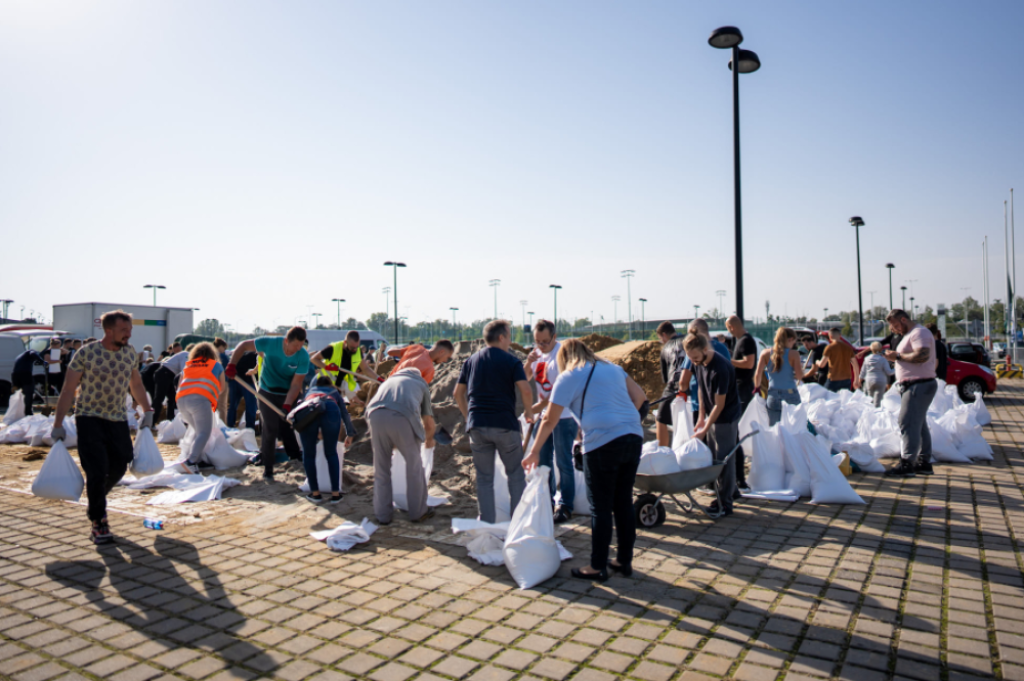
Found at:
<point>259,397</point>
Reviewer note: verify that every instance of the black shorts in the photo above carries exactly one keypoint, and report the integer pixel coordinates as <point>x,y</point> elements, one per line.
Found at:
<point>665,412</point>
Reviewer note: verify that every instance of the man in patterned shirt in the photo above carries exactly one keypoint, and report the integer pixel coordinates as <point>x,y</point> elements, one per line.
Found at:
<point>106,369</point>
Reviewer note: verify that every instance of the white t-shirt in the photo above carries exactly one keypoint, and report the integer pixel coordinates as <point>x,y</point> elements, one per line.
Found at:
<point>55,367</point>
<point>547,363</point>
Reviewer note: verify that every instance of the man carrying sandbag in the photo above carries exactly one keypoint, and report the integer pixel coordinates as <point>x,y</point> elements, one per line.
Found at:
<point>486,395</point>
<point>672,357</point>
<point>106,370</point>
<point>915,376</point>
<point>400,418</point>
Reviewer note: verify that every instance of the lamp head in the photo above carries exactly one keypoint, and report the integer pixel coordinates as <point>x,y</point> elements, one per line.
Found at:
<point>725,38</point>
<point>857,221</point>
<point>749,61</point>
<point>890,265</point>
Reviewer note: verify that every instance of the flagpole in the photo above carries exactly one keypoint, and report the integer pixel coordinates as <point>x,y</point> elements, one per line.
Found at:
<point>1013,278</point>
<point>984,270</point>
<point>1009,293</point>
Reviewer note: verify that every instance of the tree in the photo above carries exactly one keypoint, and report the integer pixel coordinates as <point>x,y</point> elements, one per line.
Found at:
<point>209,327</point>
<point>353,323</point>
<point>928,316</point>
<point>379,322</point>
<point>259,331</point>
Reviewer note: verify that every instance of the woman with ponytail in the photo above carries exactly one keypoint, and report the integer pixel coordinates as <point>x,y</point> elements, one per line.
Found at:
<point>783,367</point>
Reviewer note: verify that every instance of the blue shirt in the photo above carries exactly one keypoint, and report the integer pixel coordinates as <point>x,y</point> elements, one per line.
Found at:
<point>718,347</point>
<point>279,369</point>
<point>490,376</point>
<point>608,413</point>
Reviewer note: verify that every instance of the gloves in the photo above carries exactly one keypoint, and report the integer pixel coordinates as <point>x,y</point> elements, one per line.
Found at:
<point>644,409</point>
<point>231,370</point>
<point>380,379</point>
<point>286,408</point>
<point>57,433</point>
<point>334,368</point>
<point>147,420</point>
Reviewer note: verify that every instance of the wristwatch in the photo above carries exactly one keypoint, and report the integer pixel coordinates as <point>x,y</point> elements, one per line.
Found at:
<point>899,357</point>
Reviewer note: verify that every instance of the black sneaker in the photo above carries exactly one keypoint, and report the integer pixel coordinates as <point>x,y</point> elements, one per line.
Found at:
<point>335,500</point>
<point>101,533</point>
<point>924,467</point>
<point>904,469</point>
<point>713,509</point>
<point>562,515</point>
<point>314,499</point>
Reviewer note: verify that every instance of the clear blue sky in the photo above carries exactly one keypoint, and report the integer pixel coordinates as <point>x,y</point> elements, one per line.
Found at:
<point>259,158</point>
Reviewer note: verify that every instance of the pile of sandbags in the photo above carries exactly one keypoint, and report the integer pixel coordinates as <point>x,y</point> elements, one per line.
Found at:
<point>35,431</point>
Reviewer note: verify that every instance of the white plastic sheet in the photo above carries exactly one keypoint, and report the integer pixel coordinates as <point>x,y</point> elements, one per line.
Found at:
<point>487,542</point>
<point>530,552</point>
<point>15,409</point>
<point>59,477</point>
<point>398,483</point>
<point>243,439</point>
<point>184,488</point>
<point>346,535</point>
<point>147,460</point>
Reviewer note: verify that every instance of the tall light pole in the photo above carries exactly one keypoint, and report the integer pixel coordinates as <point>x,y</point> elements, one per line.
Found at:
<point>889,266</point>
<point>643,317</point>
<point>984,273</point>
<point>154,287</point>
<point>904,290</point>
<point>555,288</point>
<point>615,308</point>
<point>339,301</point>
<point>628,275</point>
<point>743,61</point>
<point>394,265</point>
<point>6,303</point>
<point>316,324</point>
<point>531,319</point>
<point>454,324</point>
<point>387,302</point>
<point>495,283</point>
<point>912,315</point>
<point>857,223</point>
<point>721,302</point>
<point>523,303</point>
<point>696,309</point>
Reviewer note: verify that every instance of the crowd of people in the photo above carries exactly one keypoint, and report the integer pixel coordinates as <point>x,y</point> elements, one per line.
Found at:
<point>582,412</point>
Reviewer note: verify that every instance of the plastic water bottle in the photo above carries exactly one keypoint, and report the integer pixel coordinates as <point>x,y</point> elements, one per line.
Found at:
<point>153,524</point>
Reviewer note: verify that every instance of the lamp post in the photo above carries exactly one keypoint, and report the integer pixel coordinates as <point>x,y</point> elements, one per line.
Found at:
<point>523,303</point>
<point>615,308</point>
<point>857,223</point>
<point>721,303</point>
<point>317,315</point>
<point>339,301</point>
<point>555,288</point>
<point>889,266</point>
<point>394,265</point>
<point>456,326</point>
<point>387,302</point>
<point>531,319</point>
<point>743,61</point>
<point>904,289</point>
<point>643,317</point>
<point>911,307</point>
<point>154,287</point>
<point>495,283</point>
<point>628,275</point>
<point>6,303</point>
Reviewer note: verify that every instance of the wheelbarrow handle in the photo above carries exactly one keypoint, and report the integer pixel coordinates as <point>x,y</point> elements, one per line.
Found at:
<point>738,443</point>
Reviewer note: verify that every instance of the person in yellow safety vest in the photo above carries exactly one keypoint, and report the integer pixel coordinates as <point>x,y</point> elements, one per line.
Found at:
<point>347,355</point>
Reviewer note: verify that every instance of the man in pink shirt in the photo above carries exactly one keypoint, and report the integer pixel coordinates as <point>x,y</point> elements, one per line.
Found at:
<point>915,378</point>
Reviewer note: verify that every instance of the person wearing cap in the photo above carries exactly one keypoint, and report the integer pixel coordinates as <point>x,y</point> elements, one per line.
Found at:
<point>915,376</point>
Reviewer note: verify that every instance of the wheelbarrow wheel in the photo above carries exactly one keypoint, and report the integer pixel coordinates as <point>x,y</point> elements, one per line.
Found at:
<point>650,512</point>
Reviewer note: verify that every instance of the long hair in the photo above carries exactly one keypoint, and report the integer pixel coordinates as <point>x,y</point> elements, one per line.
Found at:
<point>779,347</point>
<point>574,353</point>
<point>204,350</point>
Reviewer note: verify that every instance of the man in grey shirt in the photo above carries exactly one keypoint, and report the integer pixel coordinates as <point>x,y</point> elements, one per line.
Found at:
<point>400,418</point>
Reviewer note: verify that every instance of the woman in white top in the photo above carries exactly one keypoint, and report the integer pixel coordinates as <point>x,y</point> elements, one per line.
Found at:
<point>875,373</point>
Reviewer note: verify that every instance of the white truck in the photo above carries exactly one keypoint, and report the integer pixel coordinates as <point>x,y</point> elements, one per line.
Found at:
<point>156,326</point>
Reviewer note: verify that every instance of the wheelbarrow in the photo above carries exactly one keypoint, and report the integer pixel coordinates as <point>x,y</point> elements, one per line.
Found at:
<point>649,510</point>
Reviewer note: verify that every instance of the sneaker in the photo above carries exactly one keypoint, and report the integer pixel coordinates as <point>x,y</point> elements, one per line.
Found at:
<point>562,515</point>
<point>101,533</point>
<point>924,468</point>
<point>318,499</point>
<point>189,468</point>
<point>335,500</point>
<point>713,509</point>
<point>743,489</point>
<point>903,469</point>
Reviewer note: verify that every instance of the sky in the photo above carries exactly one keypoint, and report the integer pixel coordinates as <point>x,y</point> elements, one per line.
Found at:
<point>260,159</point>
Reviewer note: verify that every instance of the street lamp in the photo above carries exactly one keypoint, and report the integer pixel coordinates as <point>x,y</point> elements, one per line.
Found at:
<point>531,319</point>
<point>555,287</point>
<point>454,324</point>
<point>695,309</point>
<point>317,315</point>
<point>615,302</point>
<point>495,283</point>
<point>628,275</point>
<point>523,303</point>
<point>339,301</point>
<point>6,303</point>
<point>904,289</point>
<point>857,223</point>
<point>643,317</point>
<point>394,265</point>
<point>154,287</point>
<point>387,302</point>
<point>721,303</point>
<point>912,307</point>
<point>743,61</point>
<point>889,266</point>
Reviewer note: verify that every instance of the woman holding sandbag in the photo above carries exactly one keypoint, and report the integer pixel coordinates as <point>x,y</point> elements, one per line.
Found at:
<point>783,364</point>
<point>202,382</point>
<point>608,406</point>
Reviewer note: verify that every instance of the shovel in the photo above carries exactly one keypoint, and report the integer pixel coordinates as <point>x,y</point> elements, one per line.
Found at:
<point>262,399</point>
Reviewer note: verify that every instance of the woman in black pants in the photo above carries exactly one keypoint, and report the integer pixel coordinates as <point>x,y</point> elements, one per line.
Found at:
<point>607,404</point>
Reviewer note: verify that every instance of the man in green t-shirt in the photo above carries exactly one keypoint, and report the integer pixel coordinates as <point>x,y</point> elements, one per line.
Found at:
<point>285,363</point>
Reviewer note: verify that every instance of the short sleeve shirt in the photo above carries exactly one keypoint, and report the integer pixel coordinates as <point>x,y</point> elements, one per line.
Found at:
<point>106,377</point>
<point>839,356</point>
<point>545,373</point>
<point>417,357</point>
<point>279,369</point>
<point>720,349</point>
<point>719,378</point>
<point>490,377</point>
<point>746,346</point>
<point>608,411</point>
<point>919,337</point>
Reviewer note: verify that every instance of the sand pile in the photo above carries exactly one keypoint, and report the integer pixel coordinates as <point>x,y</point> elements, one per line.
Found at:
<point>642,361</point>
<point>597,342</point>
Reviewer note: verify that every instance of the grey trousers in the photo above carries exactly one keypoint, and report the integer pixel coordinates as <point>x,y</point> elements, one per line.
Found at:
<point>196,412</point>
<point>915,438</point>
<point>721,439</point>
<point>509,444</point>
<point>876,391</point>
<point>391,431</point>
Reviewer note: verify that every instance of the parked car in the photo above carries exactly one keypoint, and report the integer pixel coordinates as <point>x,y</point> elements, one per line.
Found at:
<point>970,352</point>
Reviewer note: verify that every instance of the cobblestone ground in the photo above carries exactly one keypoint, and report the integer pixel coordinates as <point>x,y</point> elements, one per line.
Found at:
<point>924,582</point>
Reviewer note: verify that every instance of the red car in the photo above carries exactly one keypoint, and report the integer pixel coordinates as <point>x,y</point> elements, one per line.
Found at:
<point>969,378</point>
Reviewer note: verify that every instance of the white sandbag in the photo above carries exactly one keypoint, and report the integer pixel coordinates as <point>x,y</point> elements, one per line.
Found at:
<point>861,454</point>
<point>15,409</point>
<point>979,410</point>
<point>502,497</point>
<point>70,433</point>
<point>975,447</point>
<point>171,432</point>
<point>892,399</point>
<point>967,434</point>
<point>530,552</point>
<point>793,428</point>
<point>954,396</point>
<point>828,484</point>
<point>944,447</point>
<point>581,503</point>
<point>812,392</point>
<point>682,422</point>
<point>243,439</point>
<point>217,451</point>
<point>398,482</point>
<point>147,460</point>
<point>658,461</point>
<point>693,454</point>
<point>487,539</point>
<point>886,446</point>
<point>346,535</point>
<point>767,463</point>
<point>323,473</point>
<point>59,477</point>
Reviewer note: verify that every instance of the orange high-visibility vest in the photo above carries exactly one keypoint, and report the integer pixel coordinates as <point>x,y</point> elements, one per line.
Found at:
<point>197,379</point>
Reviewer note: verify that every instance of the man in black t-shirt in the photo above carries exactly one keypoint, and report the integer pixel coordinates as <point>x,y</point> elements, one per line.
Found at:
<point>719,414</point>
<point>815,353</point>
<point>672,357</point>
<point>744,359</point>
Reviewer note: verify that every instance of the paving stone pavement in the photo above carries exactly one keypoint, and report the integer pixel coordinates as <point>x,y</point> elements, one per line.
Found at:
<point>922,583</point>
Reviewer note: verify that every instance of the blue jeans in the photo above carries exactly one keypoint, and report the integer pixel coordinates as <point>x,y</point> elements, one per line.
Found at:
<point>558,450</point>
<point>610,471</point>
<point>776,398</point>
<point>236,394</point>
<point>329,426</point>
<point>836,386</point>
